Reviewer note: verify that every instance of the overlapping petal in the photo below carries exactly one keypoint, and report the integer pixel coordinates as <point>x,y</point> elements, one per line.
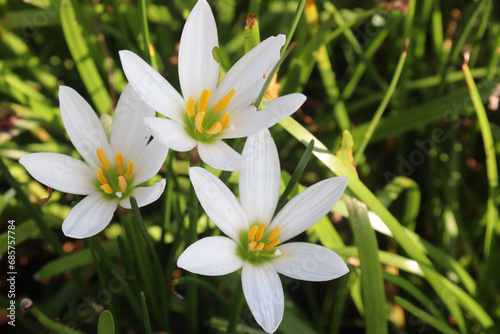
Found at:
<point>308,207</point>
<point>82,125</point>
<point>248,75</point>
<point>170,133</point>
<point>153,89</point>
<point>129,135</point>
<point>309,262</point>
<point>89,217</point>
<point>260,178</point>
<point>144,195</point>
<point>149,161</point>
<point>251,121</point>
<point>221,156</point>
<point>198,69</point>
<point>219,202</point>
<point>211,256</point>
<point>264,294</point>
<point>60,172</point>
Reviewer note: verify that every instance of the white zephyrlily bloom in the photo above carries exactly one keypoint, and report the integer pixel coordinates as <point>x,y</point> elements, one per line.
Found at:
<point>113,168</point>
<point>208,112</point>
<point>258,250</point>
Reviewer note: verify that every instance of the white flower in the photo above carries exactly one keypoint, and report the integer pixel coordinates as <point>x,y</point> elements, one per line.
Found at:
<point>113,167</point>
<point>206,112</point>
<point>259,250</point>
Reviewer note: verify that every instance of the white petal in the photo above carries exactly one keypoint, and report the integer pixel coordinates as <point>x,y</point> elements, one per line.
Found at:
<point>145,195</point>
<point>308,207</point>
<point>170,133</point>
<point>153,89</point>
<point>219,202</point>
<point>250,121</point>
<point>260,178</point>
<point>83,127</point>
<point>309,262</point>
<point>149,161</point>
<point>264,294</point>
<point>247,76</point>
<point>89,217</point>
<point>198,69</point>
<point>211,256</point>
<point>61,172</point>
<point>129,135</point>
<point>221,156</point>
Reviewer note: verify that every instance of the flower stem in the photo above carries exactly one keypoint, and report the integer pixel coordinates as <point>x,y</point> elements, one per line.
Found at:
<point>192,289</point>
<point>291,31</point>
<point>238,303</point>
<point>136,215</point>
<point>147,46</point>
<point>143,265</point>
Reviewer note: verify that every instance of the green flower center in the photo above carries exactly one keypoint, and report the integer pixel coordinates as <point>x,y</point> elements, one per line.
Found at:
<point>114,181</point>
<point>261,244</point>
<point>205,124</point>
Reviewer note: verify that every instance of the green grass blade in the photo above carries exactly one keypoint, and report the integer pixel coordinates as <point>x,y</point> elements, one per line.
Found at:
<point>372,284</point>
<point>428,318</point>
<point>106,323</point>
<point>74,34</point>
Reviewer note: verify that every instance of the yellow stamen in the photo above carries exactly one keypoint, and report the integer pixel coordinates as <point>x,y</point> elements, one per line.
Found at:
<point>203,102</point>
<point>198,121</point>
<point>224,121</point>
<point>252,245</point>
<point>121,164</point>
<point>259,247</point>
<point>151,50</point>
<point>222,104</point>
<point>252,232</point>
<point>102,159</point>
<point>260,232</point>
<point>272,244</point>
<point>130,170</point>
<point>101,177</point>
<point>215,129</point>
<point>107,188</point>
<point>122,183</point>
<point>274,234</point>
<point>190,106</point>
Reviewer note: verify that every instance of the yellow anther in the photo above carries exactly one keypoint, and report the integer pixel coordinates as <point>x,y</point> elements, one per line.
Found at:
<point>101,177</point>
<point>203,102</point>
<point>102,159</point>
<point>198,121</point>
<point>107,188</point>
<point>259,247</point>
<point>272,244</point>
<point>222,104</point>
<point>130,170</point>
<point>122,183</point>
<point>215,129</point>
<point>274,234</point>
<point>121,163</point>
<point>260,232</point>
<point>224,121</point>
<point>252,232</point>
<point>190,106</point>
<point>252,245</point>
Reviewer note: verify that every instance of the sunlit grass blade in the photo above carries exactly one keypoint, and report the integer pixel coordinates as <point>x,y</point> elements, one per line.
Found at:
<point>428,318</point>
<point>382,106</point>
